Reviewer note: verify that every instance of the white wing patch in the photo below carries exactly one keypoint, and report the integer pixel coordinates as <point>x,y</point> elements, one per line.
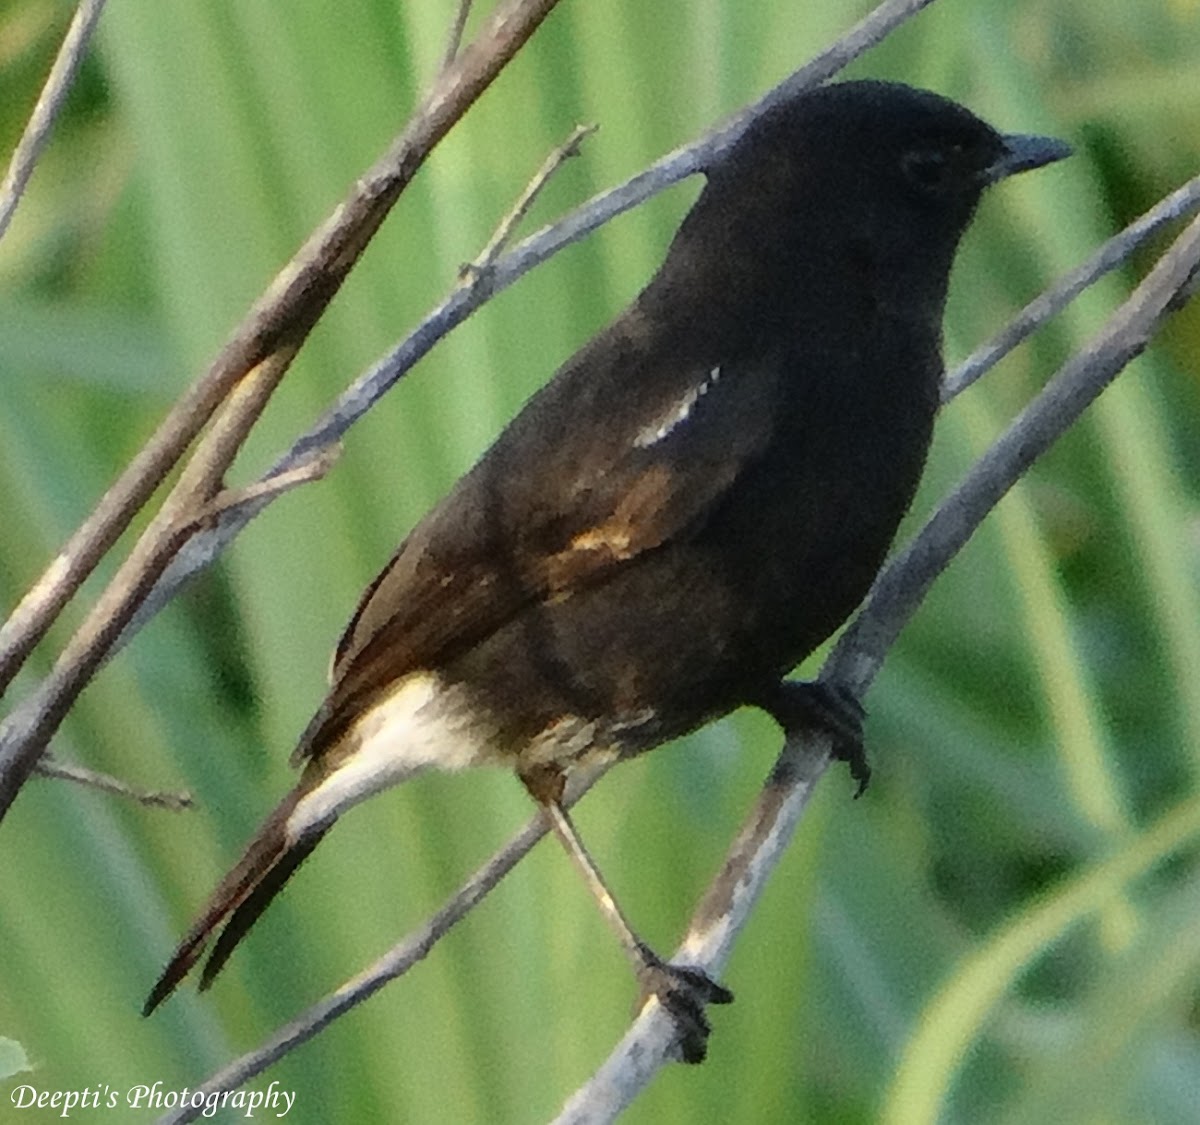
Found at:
<point>678,414</point>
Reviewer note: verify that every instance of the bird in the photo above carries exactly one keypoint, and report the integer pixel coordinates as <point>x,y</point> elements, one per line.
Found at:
<point>698,498</point>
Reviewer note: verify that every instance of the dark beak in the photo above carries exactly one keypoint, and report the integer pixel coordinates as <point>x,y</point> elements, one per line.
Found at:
<point>1022,152</point>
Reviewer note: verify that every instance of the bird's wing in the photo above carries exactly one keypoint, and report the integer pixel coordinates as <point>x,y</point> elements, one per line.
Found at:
<point>592,474</point>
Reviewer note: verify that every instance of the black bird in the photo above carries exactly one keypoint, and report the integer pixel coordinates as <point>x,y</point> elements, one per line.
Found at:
<point>699,497</point>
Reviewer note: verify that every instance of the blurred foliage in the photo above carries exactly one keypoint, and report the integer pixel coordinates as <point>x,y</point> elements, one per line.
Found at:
<point>1003,930</point>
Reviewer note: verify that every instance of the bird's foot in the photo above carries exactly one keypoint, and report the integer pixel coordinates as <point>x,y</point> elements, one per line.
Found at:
<point>684,993</point>
<point>833,708</point>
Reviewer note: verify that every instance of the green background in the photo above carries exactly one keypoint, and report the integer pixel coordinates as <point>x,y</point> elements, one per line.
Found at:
<point>1004,929</point>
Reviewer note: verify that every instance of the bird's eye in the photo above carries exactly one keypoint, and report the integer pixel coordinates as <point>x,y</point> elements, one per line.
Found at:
<point>926,169</point>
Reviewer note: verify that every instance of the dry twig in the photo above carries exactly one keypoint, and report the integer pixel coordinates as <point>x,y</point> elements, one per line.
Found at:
<point>510,222</point>
<point>50,102</point>
<point>457,27</point>
<point>397,961</point>
<point>1115,252</point>
<point>239,383</point>
<point>50,766</point>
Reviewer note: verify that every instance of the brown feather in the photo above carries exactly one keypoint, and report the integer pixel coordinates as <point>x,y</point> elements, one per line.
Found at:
<point>247,912</point>
<point>505,539</point>
<point>267,852</point>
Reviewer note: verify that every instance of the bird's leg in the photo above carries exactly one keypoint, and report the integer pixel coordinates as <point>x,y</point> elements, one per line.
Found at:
<point>796,704</point>
<point>683,992</point>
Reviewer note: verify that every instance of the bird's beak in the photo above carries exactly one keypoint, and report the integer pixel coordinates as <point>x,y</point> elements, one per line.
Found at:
<point>1022,152</point>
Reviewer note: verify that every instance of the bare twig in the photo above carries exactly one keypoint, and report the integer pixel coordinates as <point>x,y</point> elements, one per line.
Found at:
<point>904,582</point>
<point>253,362</point>
<point>1115,252</point>
<point>50,766</point>
<point>475,281</point>
<point>504,231</point>
<point>50,102</point>
<point>284,314</point>
<point>457,27</point>
<point>29,726</point>
<point>254,496</point>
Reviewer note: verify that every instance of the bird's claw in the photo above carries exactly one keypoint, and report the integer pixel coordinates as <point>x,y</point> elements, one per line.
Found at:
<point>834,708</point>
<point>684,993</point>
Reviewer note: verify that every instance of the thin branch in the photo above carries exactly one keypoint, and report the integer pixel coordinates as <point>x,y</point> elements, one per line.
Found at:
<point>51,100</point>
<point>454,39</point>
<point>906,579</point>
<point>255,496</point>
<point>1115,252</point>
<point>281,318</point>
<point>50,766</point>
<point>248,370</point>
<point>476,283</point>
<point>28,727</point>
<point>652,1039</point>
<point>507,225</point>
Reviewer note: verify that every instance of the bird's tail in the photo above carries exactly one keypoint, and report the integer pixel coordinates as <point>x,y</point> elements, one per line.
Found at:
<point>241,897</point>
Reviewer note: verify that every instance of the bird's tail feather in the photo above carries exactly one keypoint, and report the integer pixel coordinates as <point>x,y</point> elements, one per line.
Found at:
<point>268,862</point>
<point>246,913</point>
